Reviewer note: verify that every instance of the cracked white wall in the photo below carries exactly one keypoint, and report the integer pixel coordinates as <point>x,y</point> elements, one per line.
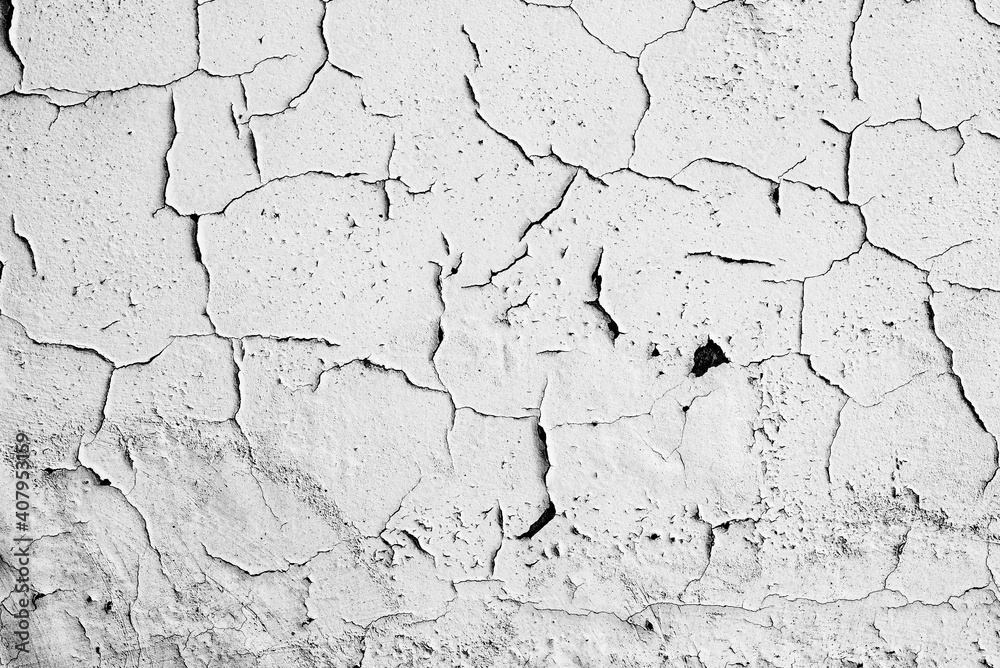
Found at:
<point>508,333</point>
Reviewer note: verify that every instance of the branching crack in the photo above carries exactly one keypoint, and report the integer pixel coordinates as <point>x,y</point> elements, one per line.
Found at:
<point>596,280</point>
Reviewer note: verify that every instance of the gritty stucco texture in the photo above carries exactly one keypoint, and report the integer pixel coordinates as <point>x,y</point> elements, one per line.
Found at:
<point>515,333</point>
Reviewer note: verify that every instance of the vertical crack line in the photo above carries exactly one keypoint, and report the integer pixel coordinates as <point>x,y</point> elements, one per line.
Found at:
<point>855,94</point>
<point>847,168</point>
<point>613,331</point>
<point>26,243</point>
<point>243,92</point>
<point>709,547</point>
<point>829,449</point>
<point>543,452</point>
<point>196,248</point>
<point>9,15</point>
<point>496,552</point>
<point>170,147</point>
<point>237,348</point>
<point>385,196</point>
<point>776,196</point>
<point>254,155</point>
<point>326,47</point>
<point>451,428</point>
<point>802,314</point>
<point>649,103</point>
<point>236,121</point>
<point>197,32</point>
<point>251,139</point>
<point>102,417</point>
<point>439,282</point>
<point>898,553</point>
<point>388,162</point>
<point>439,285</point>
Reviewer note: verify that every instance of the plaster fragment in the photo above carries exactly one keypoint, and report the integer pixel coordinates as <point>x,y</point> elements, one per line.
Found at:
<point>704,85</point>
<point>10,65</point>
<point>79,47</point>
<point>865,325</point>
<point>327,130</point>
<point>390,320</point>
<point>370,466</point>
<point>945,89</point>
<point>971,344</point>
<point>212,158</point>
<point>893,462</point>
<point>938,204</point>
<point>113,270</point>
<point>494,493</point>
<point>44,380</point>
<point>536,52</point>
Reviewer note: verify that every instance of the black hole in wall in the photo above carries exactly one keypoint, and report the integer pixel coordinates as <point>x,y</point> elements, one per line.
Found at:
<point>706,357</point>
<point>539,524</point>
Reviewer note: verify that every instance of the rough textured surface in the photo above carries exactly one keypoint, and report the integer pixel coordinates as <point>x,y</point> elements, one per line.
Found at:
<point>512,333</point>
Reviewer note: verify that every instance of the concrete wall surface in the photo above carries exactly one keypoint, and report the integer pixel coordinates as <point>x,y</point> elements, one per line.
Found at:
<point>514,333</point>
